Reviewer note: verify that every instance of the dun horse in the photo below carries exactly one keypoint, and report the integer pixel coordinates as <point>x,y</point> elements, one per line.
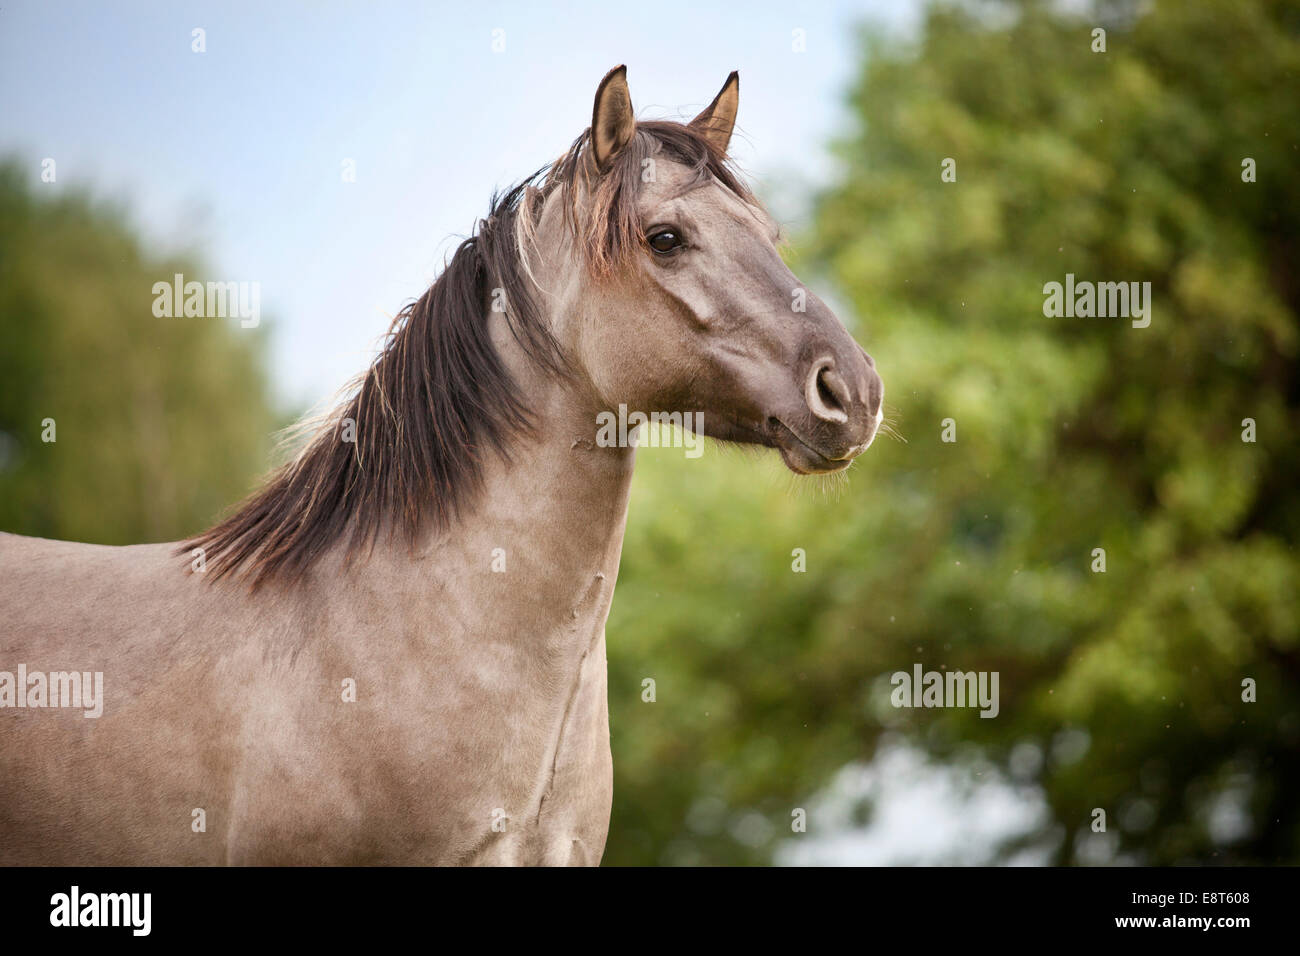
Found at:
<point>394,652</point>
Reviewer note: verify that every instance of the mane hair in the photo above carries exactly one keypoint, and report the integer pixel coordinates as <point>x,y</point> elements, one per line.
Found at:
<point>438,399</point>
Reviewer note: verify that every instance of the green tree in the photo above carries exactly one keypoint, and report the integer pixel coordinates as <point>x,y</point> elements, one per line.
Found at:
<point>1072,434</point>
<point>159,423</point>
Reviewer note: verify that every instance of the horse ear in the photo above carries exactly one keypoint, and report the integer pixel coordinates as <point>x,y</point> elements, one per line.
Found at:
<point>717,120</point>
<point>612,120</point>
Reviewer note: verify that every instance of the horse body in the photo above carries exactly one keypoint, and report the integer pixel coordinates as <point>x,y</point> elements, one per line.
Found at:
<point>480,696</point>
<point>396,652</point>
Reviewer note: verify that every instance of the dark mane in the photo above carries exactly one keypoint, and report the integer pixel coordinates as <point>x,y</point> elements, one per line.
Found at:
<point>437,399</point>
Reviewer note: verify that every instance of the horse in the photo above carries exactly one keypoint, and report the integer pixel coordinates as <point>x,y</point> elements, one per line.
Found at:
<point>394,651</point>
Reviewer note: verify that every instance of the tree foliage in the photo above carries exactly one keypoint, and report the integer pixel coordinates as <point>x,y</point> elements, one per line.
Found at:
<point>158,423</point>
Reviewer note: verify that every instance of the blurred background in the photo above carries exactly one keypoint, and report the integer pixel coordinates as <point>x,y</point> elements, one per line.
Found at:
<point>1120,691</point>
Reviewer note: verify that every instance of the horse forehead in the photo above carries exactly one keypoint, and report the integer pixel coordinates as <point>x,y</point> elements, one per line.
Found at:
<point>681,189</point>
<point>669,181</point>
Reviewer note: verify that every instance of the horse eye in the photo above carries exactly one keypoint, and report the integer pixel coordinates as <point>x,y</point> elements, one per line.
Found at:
<point>665,241</point>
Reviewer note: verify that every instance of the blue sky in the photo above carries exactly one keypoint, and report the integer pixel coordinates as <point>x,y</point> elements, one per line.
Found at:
<point>236,152</point>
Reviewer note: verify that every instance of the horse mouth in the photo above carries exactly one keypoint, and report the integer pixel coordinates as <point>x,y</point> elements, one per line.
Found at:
<point>799,456</point>
<point>802,458</point>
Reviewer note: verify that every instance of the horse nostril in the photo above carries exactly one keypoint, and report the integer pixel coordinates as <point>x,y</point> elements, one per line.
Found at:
<point>827,394</point>
<point>824,392</point>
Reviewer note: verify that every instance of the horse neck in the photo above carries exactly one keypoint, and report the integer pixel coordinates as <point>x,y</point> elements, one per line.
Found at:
<point>561,499</point>
<point>534,556</point>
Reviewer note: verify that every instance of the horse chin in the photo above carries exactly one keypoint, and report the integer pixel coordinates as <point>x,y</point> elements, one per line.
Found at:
<point>805,460</point>
<point>799,457</point>
<point>802,461</point>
